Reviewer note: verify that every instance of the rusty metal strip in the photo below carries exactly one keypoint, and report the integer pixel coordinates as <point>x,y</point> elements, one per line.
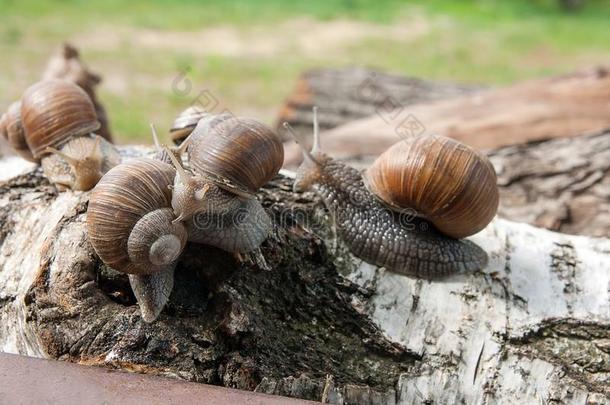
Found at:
<point>26,380</point>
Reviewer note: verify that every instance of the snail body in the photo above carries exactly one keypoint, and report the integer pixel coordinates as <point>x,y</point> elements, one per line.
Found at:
<point>56,122</point>
<point>401,243</point>
<point>132,228</point>
<point>404,238</point>
<point>80,163</point>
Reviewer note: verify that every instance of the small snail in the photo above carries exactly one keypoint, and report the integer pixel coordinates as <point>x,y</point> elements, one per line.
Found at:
<point>231,158</point>
<point>185,122</point>
<point>132,228</point>
<point>54,125</point>
<point>451,187</point>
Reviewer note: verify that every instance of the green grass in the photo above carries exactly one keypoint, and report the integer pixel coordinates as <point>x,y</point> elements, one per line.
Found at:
<point>491,42</point>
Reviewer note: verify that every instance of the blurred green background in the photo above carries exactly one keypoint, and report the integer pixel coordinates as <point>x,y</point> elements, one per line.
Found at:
<point>248,54</point>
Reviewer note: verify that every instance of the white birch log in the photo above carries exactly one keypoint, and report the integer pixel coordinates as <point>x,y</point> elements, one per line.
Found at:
<point>532,327</point>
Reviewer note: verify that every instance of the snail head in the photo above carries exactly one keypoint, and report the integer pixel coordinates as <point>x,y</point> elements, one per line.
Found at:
<point>86,167</point>
<point>312,168</point>
<point>194,193</point>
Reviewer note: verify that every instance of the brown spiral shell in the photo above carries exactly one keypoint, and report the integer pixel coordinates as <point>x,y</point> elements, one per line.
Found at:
<point>52,111</point>
<point>447,182</point>
<point>135,190</point>
<point>185,122</point>
<point>240,151</point>
<point>13,131</point>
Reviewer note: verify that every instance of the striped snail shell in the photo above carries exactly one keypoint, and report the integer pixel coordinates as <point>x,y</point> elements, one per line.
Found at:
<point>448,183</point>
<point>185,122</point>
<point>12,130</point>
<point>58,118</point>
<point>53,111</point>
<point>129,218</point>
<point>241,153</point>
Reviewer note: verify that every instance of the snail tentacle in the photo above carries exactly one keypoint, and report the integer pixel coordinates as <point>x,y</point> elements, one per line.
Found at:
<point>300,140</point>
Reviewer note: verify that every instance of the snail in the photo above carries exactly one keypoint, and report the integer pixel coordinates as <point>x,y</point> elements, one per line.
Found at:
<point>54,125</point>
<point>12,131</point>
<point>132,228</point>
<point>230,159</point>
<point>409,209</point>
<point>185,122</point>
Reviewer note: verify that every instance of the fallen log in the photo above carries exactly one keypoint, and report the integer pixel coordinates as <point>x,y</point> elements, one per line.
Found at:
<point>346,95</point>
<point>533,326</point>
<point>563,106</point>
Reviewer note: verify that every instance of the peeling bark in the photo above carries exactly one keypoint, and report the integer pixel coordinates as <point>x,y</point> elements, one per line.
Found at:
<point>532,327</point>
<point>559,184</point>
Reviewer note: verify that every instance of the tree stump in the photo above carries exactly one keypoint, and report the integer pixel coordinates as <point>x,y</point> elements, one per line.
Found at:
<point>316,323</point>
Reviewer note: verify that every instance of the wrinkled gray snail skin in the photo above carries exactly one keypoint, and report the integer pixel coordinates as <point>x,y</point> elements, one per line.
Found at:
<point>450,183</point>
<point>235,231</point>
<point>152,292</point>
